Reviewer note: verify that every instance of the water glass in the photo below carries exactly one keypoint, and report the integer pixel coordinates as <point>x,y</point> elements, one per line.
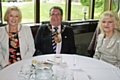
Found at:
<point>60,73</point>
<point>43,74</point>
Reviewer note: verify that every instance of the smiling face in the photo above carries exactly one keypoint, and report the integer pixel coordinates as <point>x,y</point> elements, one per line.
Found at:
<point>55,17</point>
<point>108,25</point>
<point>13,18</point>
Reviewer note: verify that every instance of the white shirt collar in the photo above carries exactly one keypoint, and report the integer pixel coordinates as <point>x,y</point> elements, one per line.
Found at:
<point>59,28</point>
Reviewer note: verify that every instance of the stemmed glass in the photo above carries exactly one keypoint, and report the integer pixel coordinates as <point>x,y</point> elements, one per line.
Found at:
<point>70,75</point>
<point>25,71</point>
<point>60,73</point>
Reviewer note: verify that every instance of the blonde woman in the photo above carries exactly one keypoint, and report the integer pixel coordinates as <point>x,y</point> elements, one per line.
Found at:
<point>108,43</point>
<point>16,40</point>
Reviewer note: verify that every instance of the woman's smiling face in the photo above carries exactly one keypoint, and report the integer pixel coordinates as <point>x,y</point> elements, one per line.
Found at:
<point>13,18</point>
<point>108,24</point>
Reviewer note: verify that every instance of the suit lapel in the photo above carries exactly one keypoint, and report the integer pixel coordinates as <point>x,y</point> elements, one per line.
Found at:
<point>64,41</point>
<point>48,33</point>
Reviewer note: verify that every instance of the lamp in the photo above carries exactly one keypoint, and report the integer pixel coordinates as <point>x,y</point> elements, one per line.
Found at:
<point>84,10</point>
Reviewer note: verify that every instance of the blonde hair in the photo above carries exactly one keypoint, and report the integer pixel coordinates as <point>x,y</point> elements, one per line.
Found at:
<point>109,14</point>
<point>9,9</point>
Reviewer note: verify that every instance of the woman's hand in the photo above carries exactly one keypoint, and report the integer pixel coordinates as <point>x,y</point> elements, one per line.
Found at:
<point>6,65</point>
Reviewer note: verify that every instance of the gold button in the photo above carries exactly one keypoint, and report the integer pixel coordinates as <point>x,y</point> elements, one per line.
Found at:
<point>65,36</point>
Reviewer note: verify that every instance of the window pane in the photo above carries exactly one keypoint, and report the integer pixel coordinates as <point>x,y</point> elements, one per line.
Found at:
<point>27,9</point>
<point>0,14</point>
<point>78,10</point>
<point>99,8</point>
<point>45,6</point>
<point>115,5</point>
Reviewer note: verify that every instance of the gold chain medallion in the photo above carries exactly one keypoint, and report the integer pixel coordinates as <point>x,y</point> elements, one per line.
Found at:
<point>15,33</point>
<point>12,37</point>
<point>57,38</point>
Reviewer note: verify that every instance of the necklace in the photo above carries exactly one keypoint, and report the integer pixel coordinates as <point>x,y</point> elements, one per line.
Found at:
<point>12,35</point>
<point>57,39</point>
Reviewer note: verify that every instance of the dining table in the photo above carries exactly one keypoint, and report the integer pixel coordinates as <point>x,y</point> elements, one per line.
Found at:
<point>83,67</point>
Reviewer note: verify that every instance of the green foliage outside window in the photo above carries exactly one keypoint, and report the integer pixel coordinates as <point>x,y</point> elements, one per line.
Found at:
<point>85,2</point>
<point>98,3</point>
<point>15,0</point>
<point>76,11</point>
<point>115,6</point>
<point>4,0</point>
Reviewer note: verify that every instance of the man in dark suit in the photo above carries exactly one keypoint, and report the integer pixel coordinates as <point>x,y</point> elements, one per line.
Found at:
<point>63,36</point>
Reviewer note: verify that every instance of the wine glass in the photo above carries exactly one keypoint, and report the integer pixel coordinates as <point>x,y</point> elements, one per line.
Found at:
<point>25,71</point>
<point>60,73</point>
<point>70,75</point>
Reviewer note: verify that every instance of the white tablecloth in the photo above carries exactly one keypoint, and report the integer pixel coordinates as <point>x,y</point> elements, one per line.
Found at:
<point>94,69</point>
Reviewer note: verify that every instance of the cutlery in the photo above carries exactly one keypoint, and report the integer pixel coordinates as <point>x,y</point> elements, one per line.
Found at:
<point>74,60</point>
<point>51,61</point>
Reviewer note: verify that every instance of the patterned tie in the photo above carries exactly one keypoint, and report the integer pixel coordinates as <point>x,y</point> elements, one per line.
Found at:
<point>53,42</point>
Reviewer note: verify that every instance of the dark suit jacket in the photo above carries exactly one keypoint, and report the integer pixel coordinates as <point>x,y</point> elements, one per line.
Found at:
<point>43,42</point>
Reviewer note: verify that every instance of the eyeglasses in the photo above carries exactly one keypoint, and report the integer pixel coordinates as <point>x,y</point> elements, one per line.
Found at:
<point>55,14</point>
